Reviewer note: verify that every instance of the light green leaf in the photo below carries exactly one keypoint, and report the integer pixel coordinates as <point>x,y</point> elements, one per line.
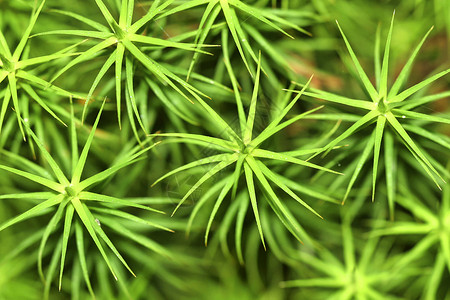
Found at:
<point>13,90</point>
<point>275,179</point>
<point>226,188</point>
<point>362,159</point>
<point>283,214</point>
<point>205,197</point>
<point>401,131</point>
<point>231,25</point>
<point>80,18</point>
<point>89,226</point>
<point>53,165</point>
<point>269,131</point>
<point>35,178</point>
<point>415,88</point>
<point>82,255</point>
<point>81,33</point>
<point>341,100</point>
<point>402,77</point>
<point>283,157</point>
<point>108,17</point>
<point>23,41</point>
<point>48,231</point>
<point>420,116</point>
<point>362,75</point>
<point>38,99</point>
<point>76,176</point>
<point>86,55</point>
<point>242,212</point>
<point>259,14</point>
<point>65,240</point>
<point>165,43</point>
<point>108,63</point>
<point>130,90</point>
<point>226,145</point>
<point>130,217</point>
<point>200,162</point>
<point>220,166</point>
<point>55,200</point>
<point>88,196</point>
<point>252,111</point>
<point>140,239</point>
<point>105,238</point>
<point>119,59</point>
<point>381,121</point>
<point>253,200</point>
<point>390,162</point>
<point>385,66</point>
<point>361,122</point>
<point>151,13</point>
<point>206,23</point>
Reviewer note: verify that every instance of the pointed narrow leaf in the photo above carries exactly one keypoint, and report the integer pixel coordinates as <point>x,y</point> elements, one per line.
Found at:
<point>89,227</point>
<point>402,77</point>
<point>88,196</point>
<point>417,87</point>
<point>200,162</point>
<point>65,240</point>
<point>105,238</point>
<point>82,255</point>
<point>252,194</point>
<point>226,188</point>
<point>401,131</point>
<point>55,200</point>
<point>220,166</point>
<point>35,178</point>
<point>381,121</point>
<point>76,176</point>
<point>252,111</point>
<point>362,75</point>
<point>385,67</point>
<point>282,157</point>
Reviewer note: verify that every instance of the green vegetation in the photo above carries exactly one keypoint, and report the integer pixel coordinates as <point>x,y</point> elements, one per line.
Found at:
<point>224,149</point>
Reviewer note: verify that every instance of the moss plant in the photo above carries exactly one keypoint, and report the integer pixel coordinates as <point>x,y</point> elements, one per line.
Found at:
<point>163,142</point>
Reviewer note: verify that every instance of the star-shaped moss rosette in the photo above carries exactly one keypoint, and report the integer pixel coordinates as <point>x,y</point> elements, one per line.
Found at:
<point>66,198</point>
<point>367,272</point>
<point>234,23</point>
<point>125,37</point>
<point>15,68</point>
<point>244,152</point>
<point>431,223</point>
<point>384,107</point>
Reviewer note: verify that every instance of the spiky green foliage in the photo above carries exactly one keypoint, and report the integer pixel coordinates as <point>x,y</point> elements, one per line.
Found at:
<point>234,23</point>
<point>248,157</point>
<point>15,69</point>
<point>67,197</point>
<point>126,37</point>
<point>245,167</point>
<point>387,107</point>
<point>432,225</point>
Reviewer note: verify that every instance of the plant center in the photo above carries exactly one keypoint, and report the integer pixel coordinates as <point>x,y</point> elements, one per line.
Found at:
<point>119,32</point>
<point>245,149</point>
<point>70,191</point>
<point>382,107</point>
<point>356,281</point>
